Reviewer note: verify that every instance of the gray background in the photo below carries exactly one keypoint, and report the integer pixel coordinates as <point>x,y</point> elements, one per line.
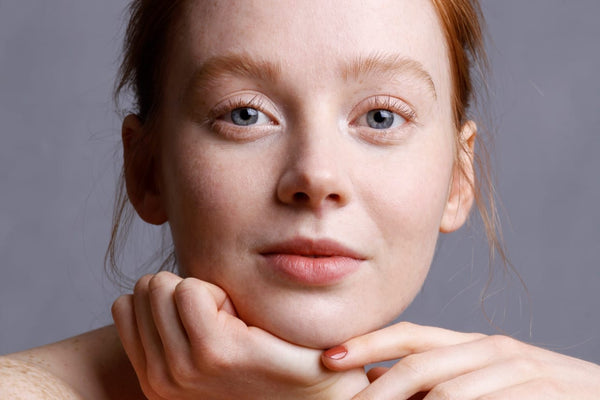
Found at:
<point>59,158</point>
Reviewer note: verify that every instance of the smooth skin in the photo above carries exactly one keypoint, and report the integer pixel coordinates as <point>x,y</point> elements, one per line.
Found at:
<point>312,164</point>
<point>318,168</point>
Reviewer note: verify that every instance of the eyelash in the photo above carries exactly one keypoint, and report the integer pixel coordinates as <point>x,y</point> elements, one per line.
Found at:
<point>386,136</point>
<point>378,102</point>
<point>388,103</point>
<point>229,105</point>
<point>232,131</point>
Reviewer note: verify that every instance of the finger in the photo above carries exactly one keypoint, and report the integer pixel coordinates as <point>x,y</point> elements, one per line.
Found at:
<point>538,389</point>
<point>207,319</point>
<point>153,347</point>
<point>197,304</point>
<point>375,373</point>
<point>125,322</point>
<point>217,336</point>
<point>222,300</point>
<point>493,378</point>
<point>390,343</point>
<point>165,316</point>
<point>277,356</point>
<point>462,371</point>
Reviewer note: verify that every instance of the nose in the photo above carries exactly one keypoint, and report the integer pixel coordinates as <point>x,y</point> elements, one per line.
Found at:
<point>316,175</point>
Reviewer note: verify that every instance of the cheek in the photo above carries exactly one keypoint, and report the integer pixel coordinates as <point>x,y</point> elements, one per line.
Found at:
<point>406,203</point>
<point>408,198</point>
<point>213,199</point>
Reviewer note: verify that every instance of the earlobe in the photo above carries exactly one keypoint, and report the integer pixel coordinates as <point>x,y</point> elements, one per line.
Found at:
<point>461,192</point>
<point>140,171</point>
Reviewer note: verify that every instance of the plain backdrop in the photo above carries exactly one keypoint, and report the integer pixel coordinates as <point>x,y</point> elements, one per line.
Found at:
<point>60,157</point>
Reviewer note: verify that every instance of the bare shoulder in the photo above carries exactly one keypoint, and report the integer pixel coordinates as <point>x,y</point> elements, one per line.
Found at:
<point>21,380</point>
<point>89,366</point>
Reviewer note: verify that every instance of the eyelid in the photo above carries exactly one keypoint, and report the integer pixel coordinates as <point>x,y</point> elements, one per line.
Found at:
<point>242,100</point>
<point>238,133</point>
<point>385,102</point>
<point>384,137</point>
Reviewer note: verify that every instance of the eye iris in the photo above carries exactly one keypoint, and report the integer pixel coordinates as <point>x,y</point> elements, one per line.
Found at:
<point>244,116</point>
<point>380,119</point>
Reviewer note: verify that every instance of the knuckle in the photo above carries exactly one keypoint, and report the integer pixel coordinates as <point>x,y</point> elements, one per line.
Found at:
<point>444,391</point>
<point>412,366</point>
<point>405,326</point>
<point>185,287</point>
<point>160,280</point>
<point>478,336</point>
<point>121,305</point>
<point>503,344</point>
<point>142,283</point>
<point>526,366</point>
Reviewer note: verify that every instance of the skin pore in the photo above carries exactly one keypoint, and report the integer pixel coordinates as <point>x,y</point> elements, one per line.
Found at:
<point>313,165</point>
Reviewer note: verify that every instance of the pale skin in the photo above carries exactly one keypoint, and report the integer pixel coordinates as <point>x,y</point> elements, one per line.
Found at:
<point>312,164</point>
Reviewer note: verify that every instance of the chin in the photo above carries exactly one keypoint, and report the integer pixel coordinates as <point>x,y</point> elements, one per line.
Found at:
<point>319,338</point>
<point>316,327</point>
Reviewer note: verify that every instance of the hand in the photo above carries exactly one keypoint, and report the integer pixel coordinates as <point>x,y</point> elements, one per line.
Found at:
<point>441,364</point>
<point>185,341</point>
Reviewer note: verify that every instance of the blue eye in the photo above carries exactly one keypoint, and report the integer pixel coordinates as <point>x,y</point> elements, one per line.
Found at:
<point>246,116</point>
<point>383,119</point>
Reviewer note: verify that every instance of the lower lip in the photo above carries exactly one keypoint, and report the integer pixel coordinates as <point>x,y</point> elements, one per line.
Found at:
<point>319,271</point>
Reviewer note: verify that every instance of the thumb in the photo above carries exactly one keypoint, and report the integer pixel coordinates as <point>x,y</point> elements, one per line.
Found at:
<point>298,363</point>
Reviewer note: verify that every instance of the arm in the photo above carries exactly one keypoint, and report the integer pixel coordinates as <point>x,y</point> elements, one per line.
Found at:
<point>455,365</point>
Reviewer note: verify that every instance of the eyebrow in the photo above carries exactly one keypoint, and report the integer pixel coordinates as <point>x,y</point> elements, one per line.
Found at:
<point>379,66</point>
<point>388,66</point>
<point>239,65</point>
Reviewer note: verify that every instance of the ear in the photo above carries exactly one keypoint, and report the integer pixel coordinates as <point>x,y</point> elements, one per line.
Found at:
<point>141,172</point>
<point>461,192</point>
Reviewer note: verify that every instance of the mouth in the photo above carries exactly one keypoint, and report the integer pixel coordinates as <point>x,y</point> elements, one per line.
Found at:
<point>312,248</point>
<point>312,262</point>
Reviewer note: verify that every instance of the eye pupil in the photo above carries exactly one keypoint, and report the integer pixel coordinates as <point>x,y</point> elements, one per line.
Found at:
<point>244,116</point>
<point>380,119</point>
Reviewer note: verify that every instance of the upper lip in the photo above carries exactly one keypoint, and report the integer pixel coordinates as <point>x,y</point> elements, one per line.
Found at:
<point>312,248</point>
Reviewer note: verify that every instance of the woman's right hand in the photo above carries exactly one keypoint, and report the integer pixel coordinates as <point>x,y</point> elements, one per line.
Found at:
<point>185,341</point>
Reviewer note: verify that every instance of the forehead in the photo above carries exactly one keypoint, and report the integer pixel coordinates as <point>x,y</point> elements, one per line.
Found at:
<point>309,37</point>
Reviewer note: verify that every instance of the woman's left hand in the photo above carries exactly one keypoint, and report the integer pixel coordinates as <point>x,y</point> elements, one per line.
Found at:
<point>442,364</point>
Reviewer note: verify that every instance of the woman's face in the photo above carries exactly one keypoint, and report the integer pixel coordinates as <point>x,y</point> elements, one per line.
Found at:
<point>306,156</point>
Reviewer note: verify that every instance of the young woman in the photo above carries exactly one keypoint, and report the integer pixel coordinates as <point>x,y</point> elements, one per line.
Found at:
<point>306,159</point>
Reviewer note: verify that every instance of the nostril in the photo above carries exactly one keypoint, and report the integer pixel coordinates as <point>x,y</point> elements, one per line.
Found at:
<point>335,197</point>
<point>301,197</point>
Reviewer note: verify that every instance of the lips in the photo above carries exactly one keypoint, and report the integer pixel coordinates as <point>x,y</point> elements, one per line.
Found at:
<point>312,262</point>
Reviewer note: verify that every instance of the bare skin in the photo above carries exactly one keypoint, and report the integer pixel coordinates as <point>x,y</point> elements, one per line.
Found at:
<point>320,169</point>
<point>89,366</point>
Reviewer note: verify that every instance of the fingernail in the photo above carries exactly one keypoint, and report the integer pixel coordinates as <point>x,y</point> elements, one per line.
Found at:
<point>336,353</point>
